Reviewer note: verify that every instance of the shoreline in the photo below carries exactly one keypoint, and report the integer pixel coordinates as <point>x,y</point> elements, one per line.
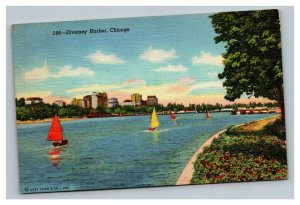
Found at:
<point>19,122</point>
<point>89,117</point>
<point>187,173</point>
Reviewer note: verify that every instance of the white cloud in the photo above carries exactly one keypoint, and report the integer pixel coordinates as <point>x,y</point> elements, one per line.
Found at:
<point>171,68</point>
<point>43,73</point>
<point>207,59</point>
<point>99,58</point>
<point>67,71</point>
<point>158,55</point>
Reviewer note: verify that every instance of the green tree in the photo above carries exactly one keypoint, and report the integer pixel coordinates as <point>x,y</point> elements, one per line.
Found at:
<point>117,110</point>
<point>108,111</point>
<point>20,102</point>
<point>253,54</point>
<point>23,113</point>
<point>100,110</point>
<point>54,109</point>
<point>39,111</point>
<point>63,112</point>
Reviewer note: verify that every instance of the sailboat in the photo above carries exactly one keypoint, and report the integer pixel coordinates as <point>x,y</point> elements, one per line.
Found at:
<point>207,115</point>
<point>56,133</point>
<point>154,124</point>
<point>173,117</point>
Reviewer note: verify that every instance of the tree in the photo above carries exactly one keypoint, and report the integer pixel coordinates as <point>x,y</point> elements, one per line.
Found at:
<point>23,113</point>
<point>54,109</point>
<point>20,102</point>
<point>117,110</point>
<point>253,54</point>
<point>100,110</point>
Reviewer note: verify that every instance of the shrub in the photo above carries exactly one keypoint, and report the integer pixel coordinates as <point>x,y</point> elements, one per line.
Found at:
<point>220,166</point>
<point>241,157</point>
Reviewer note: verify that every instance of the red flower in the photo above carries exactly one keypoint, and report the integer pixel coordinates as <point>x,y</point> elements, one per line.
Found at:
<point>218,177</point>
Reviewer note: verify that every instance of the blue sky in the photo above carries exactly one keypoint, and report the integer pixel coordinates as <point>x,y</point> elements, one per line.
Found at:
<point>172,57</point>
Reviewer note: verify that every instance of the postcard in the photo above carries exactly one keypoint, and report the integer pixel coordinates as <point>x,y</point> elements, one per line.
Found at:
<point>149,101</point>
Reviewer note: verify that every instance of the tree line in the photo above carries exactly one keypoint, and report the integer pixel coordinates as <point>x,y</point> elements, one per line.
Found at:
<point>41,110</point>
<point>46,110</point>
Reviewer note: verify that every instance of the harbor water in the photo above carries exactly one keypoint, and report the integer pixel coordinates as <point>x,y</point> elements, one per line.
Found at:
<point>119,152</point>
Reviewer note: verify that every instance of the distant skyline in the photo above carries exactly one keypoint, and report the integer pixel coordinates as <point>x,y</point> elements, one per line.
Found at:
<point>172,57</point>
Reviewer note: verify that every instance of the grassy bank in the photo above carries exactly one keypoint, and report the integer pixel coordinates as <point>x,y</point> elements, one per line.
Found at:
<point>251,152</point>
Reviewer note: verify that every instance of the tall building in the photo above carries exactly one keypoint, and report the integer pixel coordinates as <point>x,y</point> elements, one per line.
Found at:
<point>136,98</point>
<point>94,100</point>
<point>102,99</point>
<point>77,102</point>
<point>112,102</point>
<point>152,100</point>
<point>33,100</point>
<point>60,103</point>
<point>87,101</point>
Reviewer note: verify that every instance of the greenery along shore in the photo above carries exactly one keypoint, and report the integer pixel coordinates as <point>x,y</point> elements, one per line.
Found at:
<point>41,111</point>
<point>246,153</point>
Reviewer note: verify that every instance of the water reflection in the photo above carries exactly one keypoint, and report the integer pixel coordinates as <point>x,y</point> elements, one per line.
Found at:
<point>54,156</point>
<point>155,137</point>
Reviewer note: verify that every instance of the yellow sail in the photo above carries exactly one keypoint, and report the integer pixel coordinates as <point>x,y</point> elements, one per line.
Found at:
<point>154,121</point>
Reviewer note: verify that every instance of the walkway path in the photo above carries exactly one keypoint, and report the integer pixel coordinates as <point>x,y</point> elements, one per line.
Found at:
<point>187,173</point>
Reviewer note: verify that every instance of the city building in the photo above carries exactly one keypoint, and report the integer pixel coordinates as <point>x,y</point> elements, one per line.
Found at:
<point>77,102</point>
<point>94,100</point>
<point>128,103</point>
<point>102,99</point>
<point>112,102</point>
<point>33,100</point>
<point>60,103</point>
<point>143,102</point>
<point>152,100</point>
<point>136,98</point>
<point>87,101</point>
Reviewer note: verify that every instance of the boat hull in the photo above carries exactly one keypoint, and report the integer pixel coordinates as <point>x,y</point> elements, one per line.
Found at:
<point>58,144</point>
<point>151,129</point>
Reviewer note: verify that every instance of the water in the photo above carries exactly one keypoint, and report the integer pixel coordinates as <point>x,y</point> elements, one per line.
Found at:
<point>107,153</point>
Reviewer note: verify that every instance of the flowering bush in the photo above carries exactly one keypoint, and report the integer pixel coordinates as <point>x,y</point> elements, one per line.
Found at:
<point>240,159</point>
<point>268,146</point>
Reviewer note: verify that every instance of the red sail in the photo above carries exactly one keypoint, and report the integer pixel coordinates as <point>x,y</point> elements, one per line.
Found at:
<point>55,132</point>
<point>173,117</point>
<point>207,114</point>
